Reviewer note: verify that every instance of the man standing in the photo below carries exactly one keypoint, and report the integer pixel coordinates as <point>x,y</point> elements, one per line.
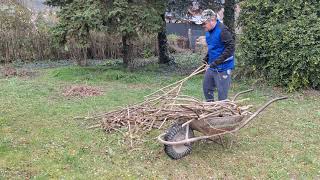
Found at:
<point>220,56</point>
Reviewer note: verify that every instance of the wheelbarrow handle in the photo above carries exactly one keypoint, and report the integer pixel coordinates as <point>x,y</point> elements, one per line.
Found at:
<point>259,111</point>
<point>187,141</point>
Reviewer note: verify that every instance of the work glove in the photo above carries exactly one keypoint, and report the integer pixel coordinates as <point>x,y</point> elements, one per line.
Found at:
<point>205,60</point>
<point>213,65</point>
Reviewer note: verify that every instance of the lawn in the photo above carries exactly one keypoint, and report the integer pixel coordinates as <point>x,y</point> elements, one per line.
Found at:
<point>42,139</point>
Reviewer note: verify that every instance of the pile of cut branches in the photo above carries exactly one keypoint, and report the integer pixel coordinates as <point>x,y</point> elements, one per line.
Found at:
<point>165,105</point>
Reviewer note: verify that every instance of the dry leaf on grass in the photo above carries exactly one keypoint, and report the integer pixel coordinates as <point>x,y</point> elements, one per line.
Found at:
<point>82,91</point>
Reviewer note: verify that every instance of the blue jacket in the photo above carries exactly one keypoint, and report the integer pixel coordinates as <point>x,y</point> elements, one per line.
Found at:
<point>221,47</point>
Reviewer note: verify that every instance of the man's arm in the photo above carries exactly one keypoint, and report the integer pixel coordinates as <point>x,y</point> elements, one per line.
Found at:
<point>228,41</point>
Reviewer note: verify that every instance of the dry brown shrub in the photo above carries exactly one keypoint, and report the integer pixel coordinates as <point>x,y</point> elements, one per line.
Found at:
<point>9,72</point>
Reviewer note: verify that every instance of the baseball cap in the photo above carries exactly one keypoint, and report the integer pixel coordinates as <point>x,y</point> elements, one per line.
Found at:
<point>206,15</point>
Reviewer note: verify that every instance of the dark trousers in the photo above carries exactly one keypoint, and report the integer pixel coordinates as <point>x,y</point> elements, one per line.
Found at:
<point>214,79</point>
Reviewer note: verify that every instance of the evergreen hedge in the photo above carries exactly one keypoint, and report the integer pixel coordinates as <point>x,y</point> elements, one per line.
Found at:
<point>280,42</point>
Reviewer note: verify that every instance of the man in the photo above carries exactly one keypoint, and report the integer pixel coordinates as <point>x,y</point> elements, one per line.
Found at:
<point>220,56</point>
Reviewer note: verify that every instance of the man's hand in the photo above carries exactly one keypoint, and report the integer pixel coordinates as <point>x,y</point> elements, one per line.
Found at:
<point>213,65</point>
<point>205,60</point>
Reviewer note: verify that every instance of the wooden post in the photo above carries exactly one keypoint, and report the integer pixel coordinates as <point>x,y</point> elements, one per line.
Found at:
<point>190,37</point>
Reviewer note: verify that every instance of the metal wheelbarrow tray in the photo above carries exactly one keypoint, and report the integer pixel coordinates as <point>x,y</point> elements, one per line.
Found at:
<point>177,140</point>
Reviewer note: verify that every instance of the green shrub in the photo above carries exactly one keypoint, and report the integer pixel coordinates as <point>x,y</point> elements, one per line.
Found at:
<point>172,37</point>
<point>281,42</point>
<point>147,53</point>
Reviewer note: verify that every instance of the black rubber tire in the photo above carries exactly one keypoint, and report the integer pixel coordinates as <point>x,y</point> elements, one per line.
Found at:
<point>177,151</point>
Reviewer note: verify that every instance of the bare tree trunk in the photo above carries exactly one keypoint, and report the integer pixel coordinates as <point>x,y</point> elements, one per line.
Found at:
<point>127,50</point>
<point>164,57</point>
<point>84,56</point>
<point>228,18</point>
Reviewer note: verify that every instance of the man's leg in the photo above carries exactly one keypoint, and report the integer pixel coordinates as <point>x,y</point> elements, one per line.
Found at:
<point>208,85</point>
<point>223,82</point>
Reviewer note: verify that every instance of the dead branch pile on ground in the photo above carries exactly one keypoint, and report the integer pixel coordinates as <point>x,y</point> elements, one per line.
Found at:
<point>166,105</point>
<point>82,91</point>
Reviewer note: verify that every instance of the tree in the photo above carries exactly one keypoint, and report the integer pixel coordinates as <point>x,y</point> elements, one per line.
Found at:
<point>132,19</point>
<point>14,21</point>
<point>128,18</point>
<point>76,19</point>
<point>164,57</point>
<point>229,18</point>
<point>180,7</point>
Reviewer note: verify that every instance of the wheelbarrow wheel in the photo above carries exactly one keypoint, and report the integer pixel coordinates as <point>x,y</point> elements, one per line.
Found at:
<point>174,134</point>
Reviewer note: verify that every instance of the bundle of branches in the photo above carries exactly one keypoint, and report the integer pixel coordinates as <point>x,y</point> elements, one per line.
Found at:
<point>165,105</point>
<point>187,109</point>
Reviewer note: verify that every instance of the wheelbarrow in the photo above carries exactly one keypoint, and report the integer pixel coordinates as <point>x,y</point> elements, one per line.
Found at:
<point>179,138</point>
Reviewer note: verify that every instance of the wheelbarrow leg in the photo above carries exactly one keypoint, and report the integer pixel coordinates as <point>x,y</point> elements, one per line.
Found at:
<point>221,141</point>
<point>218,140</point>
<point>231,140</point>
<point>225,142</point>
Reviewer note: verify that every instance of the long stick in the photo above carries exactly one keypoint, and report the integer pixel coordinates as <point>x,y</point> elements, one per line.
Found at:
<point>242,92</point>
<point>197,71</point>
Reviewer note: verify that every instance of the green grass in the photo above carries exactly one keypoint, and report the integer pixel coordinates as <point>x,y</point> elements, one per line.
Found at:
<point>41,139</point>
